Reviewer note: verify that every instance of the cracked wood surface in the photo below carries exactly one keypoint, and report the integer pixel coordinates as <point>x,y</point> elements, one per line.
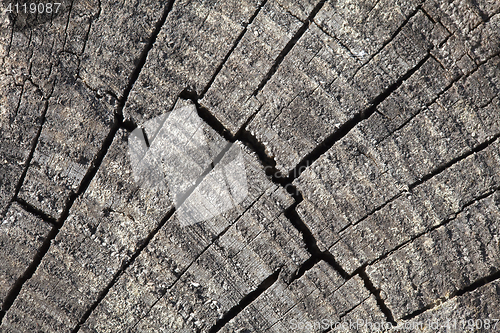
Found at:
<point>370,133</point>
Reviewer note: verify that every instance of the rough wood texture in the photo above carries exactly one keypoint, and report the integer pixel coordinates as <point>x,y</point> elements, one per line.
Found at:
<point>21,234</point>
<point>370,136</point>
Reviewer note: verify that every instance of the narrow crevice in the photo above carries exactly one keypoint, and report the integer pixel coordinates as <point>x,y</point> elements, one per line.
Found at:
<point>65,33</point>
<point>474,286</point>
<point>341,43</point>
<point>245,301</point>
<point>427,15</point>
<point>324,146</point>
<point>274,175</point>
<point>329,329</point>
<point>205,115</point>
<point>93,19</point>
<point>12,25</point>
<point>393,36</point>
<point>478,284</point>
<point>376,293</point>
<point>443,167</point>
<point>370,213</point>
<point>92,171</point>
<point>431,229</point>
<point>130,125</point>
<point>407,121</point>
<point>330,259</point>
<point>141,61</point>
<point>28,273</point>
<point>310,241</point>
<point>484,16</point>
<point>122,269</point>
<point>179,276</point>
<point>235,44</point>
<point>20,98</point>
<point>288,47</point>
<point>307,265</point>
<point>145,137</point>
<point>118,122</point>
<point>268,162</point>
<point>35,211</point>
<point>32,152</point>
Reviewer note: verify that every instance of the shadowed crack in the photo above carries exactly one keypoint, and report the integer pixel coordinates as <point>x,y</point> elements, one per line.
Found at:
<point>447,88</point>
<point>35,211</point>
<point>122,269</point>
<point>393,36</point>
<point>376,293</point>
<point>235,44</point>
<point>270,165</point>
<point>336,136</point>
<point>472,287</point>
<point>215,239</point>
<point>288,47</point>
<point>32,151</point>
<point>245,301</point>
<point>439,169</point>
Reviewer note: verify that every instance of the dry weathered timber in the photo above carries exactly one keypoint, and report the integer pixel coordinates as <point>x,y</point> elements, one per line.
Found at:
<point>42,58</point>
<point>474,311</point>
<point>22,109</point>
<point>466,248</point>
<point>384,115</point>
<point>317,301</point>
<point>105,227</point>
<point>428,205</point>
<point>111,221</point>
<point>186,279</point>
<point>21,234</point>
<point>191,45</point>
<point>325,96</point>
<point>117,40</point>
<point>231,96</point>
<point>368,174</point>
<point>75,126</point>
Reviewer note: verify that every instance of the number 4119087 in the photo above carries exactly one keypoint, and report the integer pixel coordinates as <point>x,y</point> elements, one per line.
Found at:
<point>34,8</point>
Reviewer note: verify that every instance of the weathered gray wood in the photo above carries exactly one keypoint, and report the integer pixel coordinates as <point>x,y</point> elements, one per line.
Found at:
<point>104,228</point>
<point>390,109</point>
<point>324,99</point>
<point>318,300</point>
<point>443,261</point>
<point>117,36</point>
<point>193,42</point>
<point>22,109</point>
<point>474,311</point>
<point>183,281</point>
<point>76,125</point>
<point>230,98</point>
<point>21,235</point>
<point>362,172</point>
